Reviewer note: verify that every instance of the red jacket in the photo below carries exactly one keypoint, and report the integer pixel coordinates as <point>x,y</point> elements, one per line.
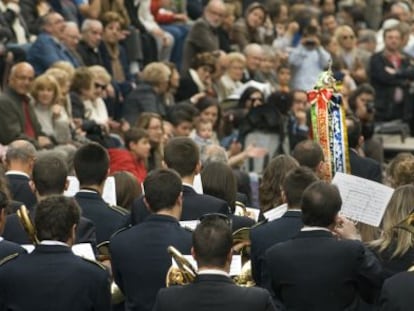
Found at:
<point>161,15</point>
<point>124,160</point>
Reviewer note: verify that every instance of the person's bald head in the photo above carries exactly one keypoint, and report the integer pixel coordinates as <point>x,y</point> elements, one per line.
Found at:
<point>21,77</point>
<point>254,56</point>
<point>214,12</point>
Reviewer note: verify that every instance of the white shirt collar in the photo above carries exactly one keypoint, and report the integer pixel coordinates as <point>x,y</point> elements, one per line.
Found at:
<point>314,228</point>
<point>13,172</point>
<point>213,271</point>
<point>52,242</point>
<point>1,239</point>
<point>188,185</point>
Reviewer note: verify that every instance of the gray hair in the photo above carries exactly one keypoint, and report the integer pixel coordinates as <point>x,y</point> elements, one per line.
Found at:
<point>21,150</point>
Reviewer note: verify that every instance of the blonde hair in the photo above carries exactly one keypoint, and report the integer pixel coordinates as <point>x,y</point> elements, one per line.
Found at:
<point>400,170</point>
<point>155,73</point>
<point>61,76</point>
<point>236,57</point>
<point>65,66</point>
<point>399,207</point>
<point>101,73</point>
<point>46,81</point>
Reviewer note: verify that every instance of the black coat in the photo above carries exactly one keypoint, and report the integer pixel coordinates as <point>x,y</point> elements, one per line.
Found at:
<point>365,167</point>
<point>264,236</point>
<point>107,219</point>
<point>8,248</point>
<point>140,260</point>
<point>194,206</point>
<point>53,278</point>
<point>397,293</point>
<point>20,190</point>
<point>213,292</point>
<point>315,271</point>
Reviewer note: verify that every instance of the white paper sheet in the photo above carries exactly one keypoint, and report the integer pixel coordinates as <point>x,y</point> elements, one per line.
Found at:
<point>363,200</point>
<point>190,224</point>
<point>253,212</point>
<point>276,212</point>
<point>82,250</point>
<point>235,266</point>
<point>109,191</point>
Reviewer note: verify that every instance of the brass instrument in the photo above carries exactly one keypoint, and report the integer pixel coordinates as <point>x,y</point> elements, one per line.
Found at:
<point>184,274</point>
<point>407,223</point>
<point>27,224</point>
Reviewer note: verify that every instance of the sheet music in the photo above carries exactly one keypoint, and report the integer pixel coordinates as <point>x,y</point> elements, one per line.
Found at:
<point>109,191</point>
<point>82,250</point>
<point>363,200</point>
<point>276,212</point>
<point>253,212</point>
<point>235,266</point>
<point>190,224</point>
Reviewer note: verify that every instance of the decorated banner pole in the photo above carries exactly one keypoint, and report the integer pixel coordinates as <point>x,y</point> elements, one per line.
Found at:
<point>328,124</point>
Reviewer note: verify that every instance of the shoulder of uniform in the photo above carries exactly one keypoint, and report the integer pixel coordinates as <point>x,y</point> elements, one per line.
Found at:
<point>94,262</point>
<point>119,209</point>
<point>260,223</point>
<point>8,258</point>
<point>121,230</point>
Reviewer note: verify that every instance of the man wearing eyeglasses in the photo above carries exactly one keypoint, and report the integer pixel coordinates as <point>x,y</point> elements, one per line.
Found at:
<point>212,288</point>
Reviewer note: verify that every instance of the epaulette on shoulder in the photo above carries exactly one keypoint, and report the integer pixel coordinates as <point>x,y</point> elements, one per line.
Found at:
<point>8,258</point>
<point>260,223</point>
<point>121,230</point>
<point>94,262</point>
<point>119,209</point>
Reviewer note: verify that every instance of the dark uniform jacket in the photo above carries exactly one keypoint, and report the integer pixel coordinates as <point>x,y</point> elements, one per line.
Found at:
<point>20,190</point>
<point>315,271</point>
<point>107,219</point>
<point>264,236</point>
<point>397,293</point>
<point>140,260</point>
<point>53,278</point>
<point>194,206</point>
<point>8,248</point>
<point>213,292</point>
<point>365,167</point>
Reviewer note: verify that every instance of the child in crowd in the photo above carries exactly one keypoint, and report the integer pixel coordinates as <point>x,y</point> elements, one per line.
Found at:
<point>283,78</point>
<point>203,134</point>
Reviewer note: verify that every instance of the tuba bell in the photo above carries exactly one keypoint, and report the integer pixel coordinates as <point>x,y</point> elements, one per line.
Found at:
<point>184,274</point>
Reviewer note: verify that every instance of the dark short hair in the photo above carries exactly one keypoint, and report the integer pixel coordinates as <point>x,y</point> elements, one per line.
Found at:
<point>219,181</point>
<point>295,183</point>
<point>50,173</point>
<point>182,155</point>
<point>308,153</point>
<point>4,200</point>
<point>91,164</point>
<point>321,202</point>
<point>212,242</point>
<point>354,130</point>
<point>180,116</point>
<point>55,217</point>
<point>364,88</point>
<point>162,188</point>
<point>134,134</point>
